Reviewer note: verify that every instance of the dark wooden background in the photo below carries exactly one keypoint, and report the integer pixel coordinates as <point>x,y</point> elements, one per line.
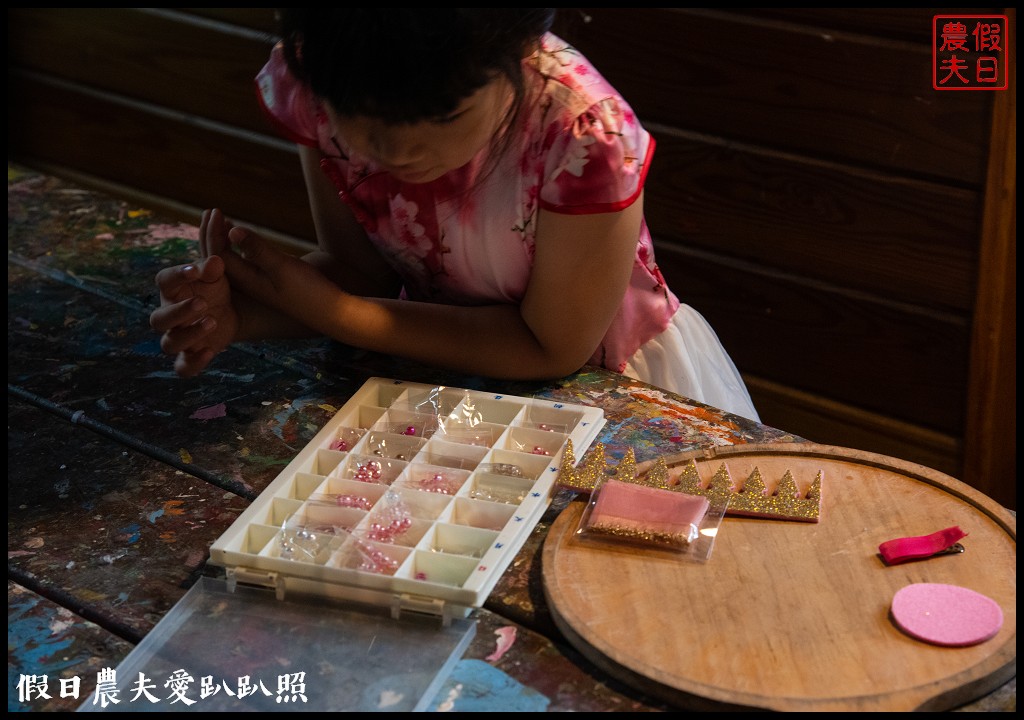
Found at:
<point>847,230</point>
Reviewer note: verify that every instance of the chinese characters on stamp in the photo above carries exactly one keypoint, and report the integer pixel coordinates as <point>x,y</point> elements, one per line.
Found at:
<point>969,52</point>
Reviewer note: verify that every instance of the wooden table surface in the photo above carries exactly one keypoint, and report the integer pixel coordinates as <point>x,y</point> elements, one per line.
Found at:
<point>121,475</point>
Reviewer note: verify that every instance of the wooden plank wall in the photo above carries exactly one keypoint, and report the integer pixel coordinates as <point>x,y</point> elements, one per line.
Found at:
<point>811,194</point>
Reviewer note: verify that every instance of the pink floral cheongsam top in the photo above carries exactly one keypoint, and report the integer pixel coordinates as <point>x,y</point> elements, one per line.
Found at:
<point>468,237</point>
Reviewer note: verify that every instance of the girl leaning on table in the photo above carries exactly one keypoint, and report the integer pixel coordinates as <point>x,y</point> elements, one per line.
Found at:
<point>477,192</point>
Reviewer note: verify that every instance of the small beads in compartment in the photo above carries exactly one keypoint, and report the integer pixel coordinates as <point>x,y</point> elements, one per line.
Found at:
<point>351,500</point>
<point>501,488</point>
<point>389,520</point>
<point>402,517</point>
<point>506,469</point>
<point>370,469</point>
<point>441,569</point>
<point>368,556</point>
<point>376,560</point>
<point>350,493</point>
<point>550,419</point>
<point>424,506</point>
<point>407,424</point>
<point>395,447</point>
<point>305,544</point>
<point>535,442</point>
<point>346,439</point>
<point>517,464</point>
<point>312,534</point>
<point>433,478</point>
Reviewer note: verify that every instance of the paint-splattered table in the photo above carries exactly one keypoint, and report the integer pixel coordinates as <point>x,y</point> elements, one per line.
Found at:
<point>121,475</point>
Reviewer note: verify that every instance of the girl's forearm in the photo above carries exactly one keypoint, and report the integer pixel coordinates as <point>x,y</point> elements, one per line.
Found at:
<point>491,340</point>
<point>262,322</point>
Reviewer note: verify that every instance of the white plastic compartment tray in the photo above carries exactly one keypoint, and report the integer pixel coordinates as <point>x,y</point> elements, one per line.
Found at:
<point>471,472</point>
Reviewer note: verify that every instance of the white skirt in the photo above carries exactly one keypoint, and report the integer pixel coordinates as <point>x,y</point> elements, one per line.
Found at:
<point>688,358</point>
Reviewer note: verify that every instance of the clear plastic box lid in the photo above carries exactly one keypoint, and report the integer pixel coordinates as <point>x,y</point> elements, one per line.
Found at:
<point>242,650</point>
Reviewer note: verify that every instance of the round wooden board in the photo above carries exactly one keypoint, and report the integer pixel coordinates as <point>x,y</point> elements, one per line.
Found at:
<point>794,616</point>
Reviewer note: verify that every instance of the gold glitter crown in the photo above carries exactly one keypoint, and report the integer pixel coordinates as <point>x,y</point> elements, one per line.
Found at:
<point>753,499</point>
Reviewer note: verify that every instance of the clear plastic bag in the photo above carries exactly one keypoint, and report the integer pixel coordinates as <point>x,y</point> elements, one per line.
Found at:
<point>651,517</point>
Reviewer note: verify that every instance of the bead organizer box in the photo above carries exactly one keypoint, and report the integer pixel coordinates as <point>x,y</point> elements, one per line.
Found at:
<point>411,495</point>
<point>360,564</point>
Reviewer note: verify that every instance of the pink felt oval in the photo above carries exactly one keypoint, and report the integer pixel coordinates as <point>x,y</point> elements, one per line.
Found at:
<point>946,614</point>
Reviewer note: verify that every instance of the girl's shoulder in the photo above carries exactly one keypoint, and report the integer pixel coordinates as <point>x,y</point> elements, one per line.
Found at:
<point>596,152</point>
<point>571,80</point>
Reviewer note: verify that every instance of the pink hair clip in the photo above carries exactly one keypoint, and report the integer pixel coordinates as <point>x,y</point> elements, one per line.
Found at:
<point>943,542</point>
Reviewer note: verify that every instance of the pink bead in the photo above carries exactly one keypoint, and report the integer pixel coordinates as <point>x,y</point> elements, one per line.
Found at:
<point>339,445</point>
<point>411,430</point>
<point>353,501</point>
<point>377,562</point>
<point>538,450</point>
<point>435,483</point>
<point>368,470</point>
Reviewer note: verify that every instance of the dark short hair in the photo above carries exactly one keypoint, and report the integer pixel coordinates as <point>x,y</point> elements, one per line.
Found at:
<point>406,65</point>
